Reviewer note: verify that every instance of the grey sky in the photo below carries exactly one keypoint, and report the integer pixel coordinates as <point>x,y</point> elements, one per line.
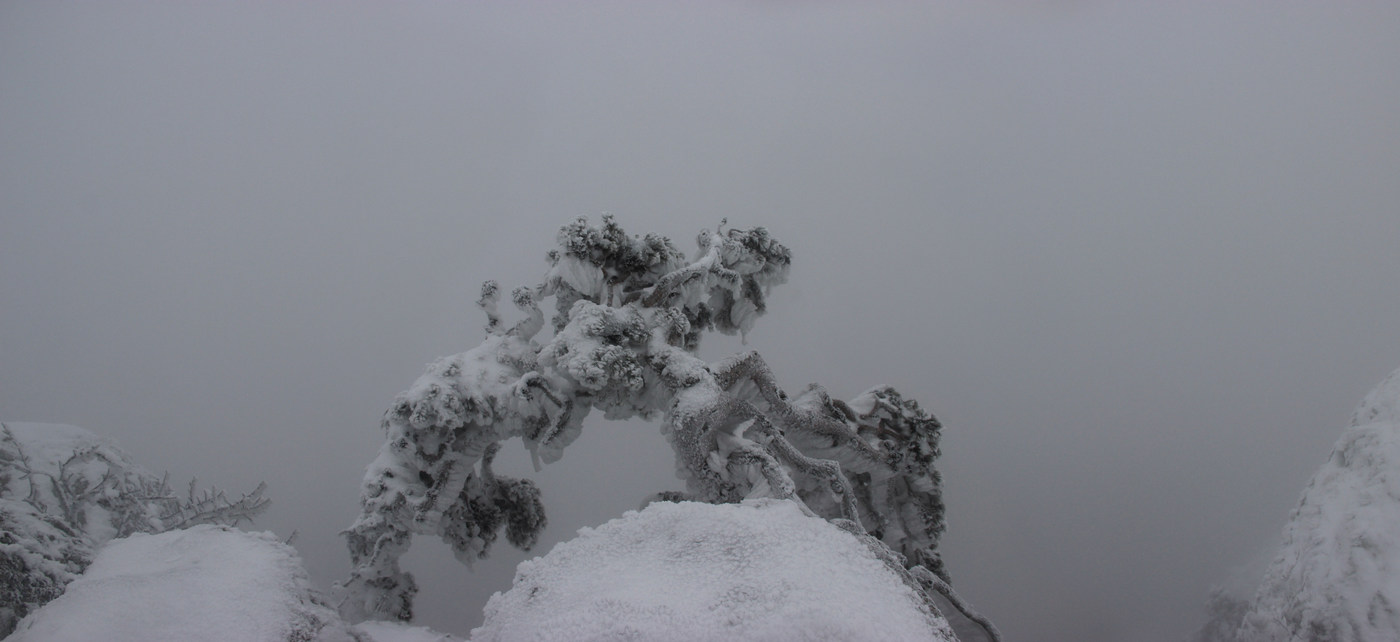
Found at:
<point>1140,259</point>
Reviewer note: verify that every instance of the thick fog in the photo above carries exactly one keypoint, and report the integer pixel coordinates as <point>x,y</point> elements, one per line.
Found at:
<point>1140,258</point>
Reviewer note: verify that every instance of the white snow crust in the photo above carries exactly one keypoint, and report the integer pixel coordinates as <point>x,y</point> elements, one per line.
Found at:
<point>1337,575</point>
<point>211,583</point>
<point>760,570</point>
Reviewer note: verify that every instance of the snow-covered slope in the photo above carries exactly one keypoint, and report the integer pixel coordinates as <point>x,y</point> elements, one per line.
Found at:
<point>761,570</point>
<point>1337,575</point>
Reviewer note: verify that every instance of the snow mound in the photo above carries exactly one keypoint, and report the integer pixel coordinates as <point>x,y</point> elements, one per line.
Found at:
<point>1337,575</point>
<point>211,583</point>
<point>380,631</point>
<point>761,570</point>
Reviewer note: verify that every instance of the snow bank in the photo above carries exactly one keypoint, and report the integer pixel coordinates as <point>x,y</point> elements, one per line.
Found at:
<point>206,583</point>
<point>761,570</point>
<point>1337,575</point>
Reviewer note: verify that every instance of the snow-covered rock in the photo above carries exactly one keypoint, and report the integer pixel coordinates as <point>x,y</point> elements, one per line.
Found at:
<point>1337,574</point>
<point>211,583</point>
<point>381,631</point>
<point>761,570</point>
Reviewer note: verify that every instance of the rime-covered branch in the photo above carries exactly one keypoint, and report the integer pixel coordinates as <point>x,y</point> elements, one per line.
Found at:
<point>886,443</point>
<point>211,506</point>
<point>933,584</point>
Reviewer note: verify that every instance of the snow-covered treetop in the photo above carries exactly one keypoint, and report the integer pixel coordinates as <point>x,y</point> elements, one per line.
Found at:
<point>629,315</point>
<point>723,289</point>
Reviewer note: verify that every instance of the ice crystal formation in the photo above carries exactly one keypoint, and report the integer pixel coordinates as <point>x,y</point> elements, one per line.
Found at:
<point>64,492</point>
<point>630,312</point>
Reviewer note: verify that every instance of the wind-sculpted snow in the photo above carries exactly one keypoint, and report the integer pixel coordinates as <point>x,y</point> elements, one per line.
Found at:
<point>760,570</point>
<point>1337,575</point>
<point>630,315</point>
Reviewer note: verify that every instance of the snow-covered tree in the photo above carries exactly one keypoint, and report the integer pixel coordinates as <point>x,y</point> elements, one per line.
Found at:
<point>630,312</point>
<point>64,492</point>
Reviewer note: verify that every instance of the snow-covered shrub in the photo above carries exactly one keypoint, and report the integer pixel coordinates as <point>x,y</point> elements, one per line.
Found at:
<point>64,492</point>
<point>39,555</point>
<point>631,312</point>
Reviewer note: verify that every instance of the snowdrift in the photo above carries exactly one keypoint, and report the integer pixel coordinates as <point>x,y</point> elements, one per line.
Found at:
<point>761,570</point>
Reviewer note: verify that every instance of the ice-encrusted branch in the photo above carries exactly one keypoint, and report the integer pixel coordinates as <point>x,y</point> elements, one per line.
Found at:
<point>20,463</point>
<point>934,584</point>
<point>211,506</point>
<point>885,443</point>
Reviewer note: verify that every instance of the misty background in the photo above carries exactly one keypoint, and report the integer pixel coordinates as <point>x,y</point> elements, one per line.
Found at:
<point>1140,258</point>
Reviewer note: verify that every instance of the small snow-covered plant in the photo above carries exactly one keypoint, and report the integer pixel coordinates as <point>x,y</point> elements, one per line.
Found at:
<point>630,313</point>
<point>64,492</point>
